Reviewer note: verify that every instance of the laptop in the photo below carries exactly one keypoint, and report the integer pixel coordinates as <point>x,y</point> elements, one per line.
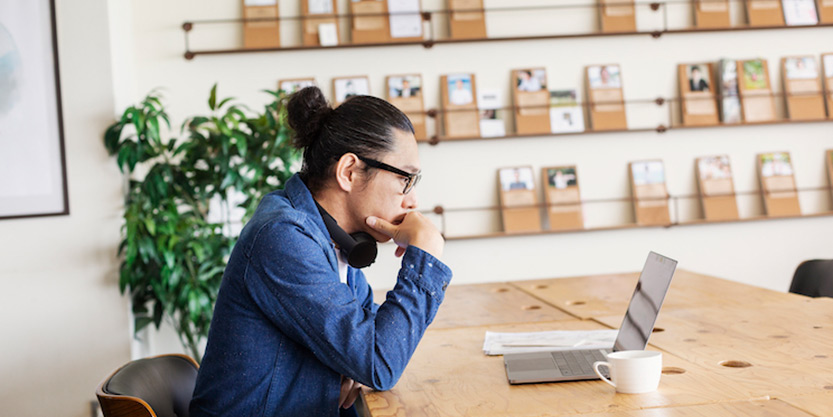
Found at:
<point>577,365</point>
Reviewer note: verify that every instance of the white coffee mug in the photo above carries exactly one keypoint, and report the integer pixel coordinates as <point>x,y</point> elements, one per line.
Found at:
<point>632,371</point>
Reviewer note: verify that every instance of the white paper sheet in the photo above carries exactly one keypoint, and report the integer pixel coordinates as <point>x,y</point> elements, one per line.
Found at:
<point>497,343</point>
<point>405,18</point>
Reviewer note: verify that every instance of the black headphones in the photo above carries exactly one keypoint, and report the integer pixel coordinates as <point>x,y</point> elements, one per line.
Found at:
<point>358,248</point>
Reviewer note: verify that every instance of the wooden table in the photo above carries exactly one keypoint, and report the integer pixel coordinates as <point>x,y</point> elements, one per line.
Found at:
<point>729,349</point>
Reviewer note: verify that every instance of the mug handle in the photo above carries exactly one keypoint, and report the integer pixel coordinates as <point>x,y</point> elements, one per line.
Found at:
<point>596,366</point>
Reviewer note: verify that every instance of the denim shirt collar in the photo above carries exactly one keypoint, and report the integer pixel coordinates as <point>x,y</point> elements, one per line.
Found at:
<point>301,199</point>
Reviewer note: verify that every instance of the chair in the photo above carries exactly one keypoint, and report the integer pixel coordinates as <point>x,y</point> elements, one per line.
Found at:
<point>813,278</point>
<point>160,386</point>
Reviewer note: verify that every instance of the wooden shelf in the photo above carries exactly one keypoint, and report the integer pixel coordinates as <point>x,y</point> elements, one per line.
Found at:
<point>659,129</point>
<point>441,211</point>
<point>431,40</point>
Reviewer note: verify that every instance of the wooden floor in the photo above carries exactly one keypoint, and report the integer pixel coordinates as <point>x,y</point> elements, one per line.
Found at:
<point>729,349</point>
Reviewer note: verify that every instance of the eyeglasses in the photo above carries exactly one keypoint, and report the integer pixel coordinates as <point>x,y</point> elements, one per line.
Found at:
<point>411,179</point>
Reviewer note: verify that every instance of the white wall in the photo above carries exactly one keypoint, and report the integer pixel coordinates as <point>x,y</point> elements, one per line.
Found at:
<point>65,326</point>
<point>463,174</point>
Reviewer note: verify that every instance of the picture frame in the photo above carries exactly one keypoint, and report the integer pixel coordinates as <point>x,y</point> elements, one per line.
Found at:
<point>716,187</point>
<point>405,20</point>
<point>292,85</point>
<point>727,88</point>
<point>372,28</point>
<point>712,14</point>
<point>650,195</point>
<point>315,13</point>
<point>531,98</point>
<point>800,12</point>
<point>778,187</point>
<point>617,16</point>
<point>698,101</point>
<point>825,10</point>
<point>492,115</point>
<point>606,97</point>
<point>757,102</point>
<point>263,34</point>
<point>518,199</point>
<point>563,197</point>
<point>764,13</point>
<point>566,113</point>
<point>803,88</point>
<point>461,118</point>
<point>347,87</point>
<point>405,91</point>
<point>470,24</point>
<point>31,115</point>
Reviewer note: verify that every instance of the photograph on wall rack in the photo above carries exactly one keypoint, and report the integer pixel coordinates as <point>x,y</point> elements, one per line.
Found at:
<point>515,179</point>
<point>405,86</point>
<point>320,6</point>
<point>459,89</point>
<point>648,173</point>
<point>776,164</point>
<point>800,12</point>
<point>728,88</point>
<point>489,102</point>
<point>801,68</point>
<point>351,87</point>
<point>565,113</point>
<point>291,86</point>
<point>828,66</point>
<point>698,78</point>
<point>405,18</point>
<point>562,178</point>
<point>604,76</point>
<point>754,76</point>
<point>531,80</point>
<point>714,168</point>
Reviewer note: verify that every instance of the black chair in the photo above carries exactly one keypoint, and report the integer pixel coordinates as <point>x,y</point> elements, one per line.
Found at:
<point>161,386</point>
<point>813,278</point>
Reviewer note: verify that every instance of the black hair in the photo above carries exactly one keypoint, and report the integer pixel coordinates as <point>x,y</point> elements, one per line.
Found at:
<point>362,125</point>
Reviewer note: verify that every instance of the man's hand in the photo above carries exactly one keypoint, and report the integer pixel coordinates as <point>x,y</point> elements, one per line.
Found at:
<point>415,229</point>
<point>349,392</point>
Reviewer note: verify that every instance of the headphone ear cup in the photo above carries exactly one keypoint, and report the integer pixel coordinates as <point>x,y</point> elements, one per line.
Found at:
<point>364,252</point>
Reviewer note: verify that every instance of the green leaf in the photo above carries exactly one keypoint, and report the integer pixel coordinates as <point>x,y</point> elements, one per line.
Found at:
<point>212,98</point>
<point>150,224</point>
<point>242,144</point>
<point>158,313</point>
<point>224,101</point>
<point>153,130</point>
<point>194,305</point>
<point>170,259</point>
<point>123,158</point>
<point>140,323</point>
<point>112,136</point>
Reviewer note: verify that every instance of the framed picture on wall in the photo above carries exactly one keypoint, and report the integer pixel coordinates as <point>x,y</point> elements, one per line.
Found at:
<point>32,161</point>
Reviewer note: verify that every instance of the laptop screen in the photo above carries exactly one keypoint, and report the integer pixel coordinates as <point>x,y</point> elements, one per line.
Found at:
<point>645,303</point>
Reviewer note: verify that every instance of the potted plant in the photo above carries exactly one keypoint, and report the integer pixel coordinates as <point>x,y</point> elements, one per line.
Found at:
<point>175,246</point>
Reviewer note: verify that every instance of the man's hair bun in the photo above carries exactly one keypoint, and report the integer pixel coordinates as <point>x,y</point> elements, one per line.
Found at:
<point>307,110</point>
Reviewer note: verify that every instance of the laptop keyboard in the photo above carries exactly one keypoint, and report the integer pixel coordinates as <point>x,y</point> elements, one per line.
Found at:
<point>577,362</point>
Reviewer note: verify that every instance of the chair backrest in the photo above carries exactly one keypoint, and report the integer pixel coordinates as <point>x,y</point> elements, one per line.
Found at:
<point>813,278</point>
<point>161,386</point>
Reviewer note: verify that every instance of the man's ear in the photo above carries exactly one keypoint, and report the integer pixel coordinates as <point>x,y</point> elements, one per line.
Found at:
<point>347,171</point>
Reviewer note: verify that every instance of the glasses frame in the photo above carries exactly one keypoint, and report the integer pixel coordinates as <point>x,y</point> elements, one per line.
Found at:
<point>413,178</point>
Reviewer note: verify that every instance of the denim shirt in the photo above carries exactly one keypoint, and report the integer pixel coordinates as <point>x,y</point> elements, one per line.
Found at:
<point>285,329</point>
